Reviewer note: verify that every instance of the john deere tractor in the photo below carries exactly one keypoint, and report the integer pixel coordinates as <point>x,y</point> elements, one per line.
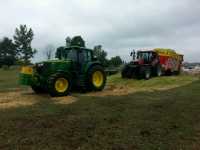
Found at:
<point>76,68</point>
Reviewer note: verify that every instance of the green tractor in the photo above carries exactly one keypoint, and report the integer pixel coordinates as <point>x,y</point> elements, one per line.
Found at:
<point>76,68</point>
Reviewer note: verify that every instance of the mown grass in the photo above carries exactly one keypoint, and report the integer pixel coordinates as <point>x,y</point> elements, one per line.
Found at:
<point>147,120</point>
<point>9,79</point>
<point>155,82</point>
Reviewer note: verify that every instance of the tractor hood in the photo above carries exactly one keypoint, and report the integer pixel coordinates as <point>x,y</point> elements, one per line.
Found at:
<point>43,70</point>
<point>48,67</point>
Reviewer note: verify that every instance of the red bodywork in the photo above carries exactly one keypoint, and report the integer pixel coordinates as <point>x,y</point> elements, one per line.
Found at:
<point>171,63</point>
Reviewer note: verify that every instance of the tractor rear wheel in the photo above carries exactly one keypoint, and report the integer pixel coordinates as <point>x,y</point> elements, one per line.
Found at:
<point>124,72</point>
<point>96,78</point>
<point>59,85</point>
<point>158,71</point>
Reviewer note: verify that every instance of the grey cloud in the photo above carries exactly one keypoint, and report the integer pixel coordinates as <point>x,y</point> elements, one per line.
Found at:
<point>118,25</point>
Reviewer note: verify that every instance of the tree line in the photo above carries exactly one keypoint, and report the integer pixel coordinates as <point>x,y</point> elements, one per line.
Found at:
<point>18,49</point>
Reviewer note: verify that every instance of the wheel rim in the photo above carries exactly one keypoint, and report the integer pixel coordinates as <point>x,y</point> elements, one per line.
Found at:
<point>159,73</point>
<point>61,85</point>
<point>97,78</point>
<point>147,75</point>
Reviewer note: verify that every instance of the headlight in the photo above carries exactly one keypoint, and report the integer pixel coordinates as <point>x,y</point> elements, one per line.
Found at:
<point>40,65</point>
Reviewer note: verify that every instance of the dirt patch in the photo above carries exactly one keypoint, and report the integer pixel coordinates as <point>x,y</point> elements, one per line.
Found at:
<point>19,98</point>
<point>64,100</point>
<point>16,99</point>
<point>121,90</point>
<point>113,90</point>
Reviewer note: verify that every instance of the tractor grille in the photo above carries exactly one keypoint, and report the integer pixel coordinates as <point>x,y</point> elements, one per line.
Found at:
<point>40,68</point>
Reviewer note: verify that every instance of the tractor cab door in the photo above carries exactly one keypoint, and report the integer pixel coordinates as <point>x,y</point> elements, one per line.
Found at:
<point>84,56</point>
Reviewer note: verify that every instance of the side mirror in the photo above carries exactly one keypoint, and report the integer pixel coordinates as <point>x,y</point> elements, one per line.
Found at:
<point>133,54</point>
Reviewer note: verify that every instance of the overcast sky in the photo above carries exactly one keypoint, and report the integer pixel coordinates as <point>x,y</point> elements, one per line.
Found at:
<point>118,25</point>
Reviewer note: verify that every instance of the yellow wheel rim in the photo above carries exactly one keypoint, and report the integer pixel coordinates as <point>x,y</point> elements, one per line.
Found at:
<point>97,78</point>
<point>61,85</point>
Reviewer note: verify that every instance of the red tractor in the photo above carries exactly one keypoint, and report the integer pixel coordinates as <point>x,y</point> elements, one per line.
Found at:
<point>150,63</point>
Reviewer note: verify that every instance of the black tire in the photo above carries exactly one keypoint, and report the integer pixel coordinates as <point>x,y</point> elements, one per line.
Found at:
<point>168,72</point>
<point>158,71</point>
<point>52,85</point>
<point>124,72</point>
<point>91,85</point>
<point>145,73</point>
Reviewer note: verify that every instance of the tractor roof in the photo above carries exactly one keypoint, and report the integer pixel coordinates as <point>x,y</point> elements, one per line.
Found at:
<point>77,48</point>
<point>146,51</point>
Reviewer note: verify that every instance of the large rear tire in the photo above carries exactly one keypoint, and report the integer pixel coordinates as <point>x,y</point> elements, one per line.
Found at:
<point>124,72</point>
<point>158,71</point>
<point>59,85</point>
<point>96,78</point>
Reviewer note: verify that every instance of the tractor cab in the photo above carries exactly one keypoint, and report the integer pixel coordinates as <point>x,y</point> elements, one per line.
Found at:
<point>144,65</point>
<point>144,57</point>
<point>79,56</point>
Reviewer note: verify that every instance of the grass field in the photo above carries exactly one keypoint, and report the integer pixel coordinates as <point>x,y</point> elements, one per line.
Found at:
<point>8,79</point>
<point>158,114</point>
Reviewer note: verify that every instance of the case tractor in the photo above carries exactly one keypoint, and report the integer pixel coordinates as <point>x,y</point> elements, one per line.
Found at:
<point>148,63</point>
<point>77,68</point>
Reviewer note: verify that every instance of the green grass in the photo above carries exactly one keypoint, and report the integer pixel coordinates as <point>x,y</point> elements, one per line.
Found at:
<point>147,120</point>
<point>161,82</point>
<point>8,79</point>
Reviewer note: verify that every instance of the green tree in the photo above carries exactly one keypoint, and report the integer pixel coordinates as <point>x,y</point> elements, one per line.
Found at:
<point>23,38</point>
<point>7,52</point>
<point>60,51</point>
<point>115,61</point>
<point>101,55</point>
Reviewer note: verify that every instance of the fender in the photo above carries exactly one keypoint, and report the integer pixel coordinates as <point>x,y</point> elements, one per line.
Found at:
<point>90,65</point>
<point>65,72</point>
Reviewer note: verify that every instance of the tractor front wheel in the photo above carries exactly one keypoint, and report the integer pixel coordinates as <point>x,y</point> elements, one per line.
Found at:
<point>96,78</point>
<point>145,73</point>
<point>59,85</point>
<point>37,89</point>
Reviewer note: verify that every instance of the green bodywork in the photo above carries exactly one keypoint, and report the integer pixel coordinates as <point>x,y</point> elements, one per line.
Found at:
<point>74,61</point>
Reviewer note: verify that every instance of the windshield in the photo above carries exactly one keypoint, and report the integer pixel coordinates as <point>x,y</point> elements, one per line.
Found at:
<point>72,55</point>
<point>146,56</point>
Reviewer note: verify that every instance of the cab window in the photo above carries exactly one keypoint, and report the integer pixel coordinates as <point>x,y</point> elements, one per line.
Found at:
<point>72,55</point>
<point>89,56</point>
<point>82,56</point>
